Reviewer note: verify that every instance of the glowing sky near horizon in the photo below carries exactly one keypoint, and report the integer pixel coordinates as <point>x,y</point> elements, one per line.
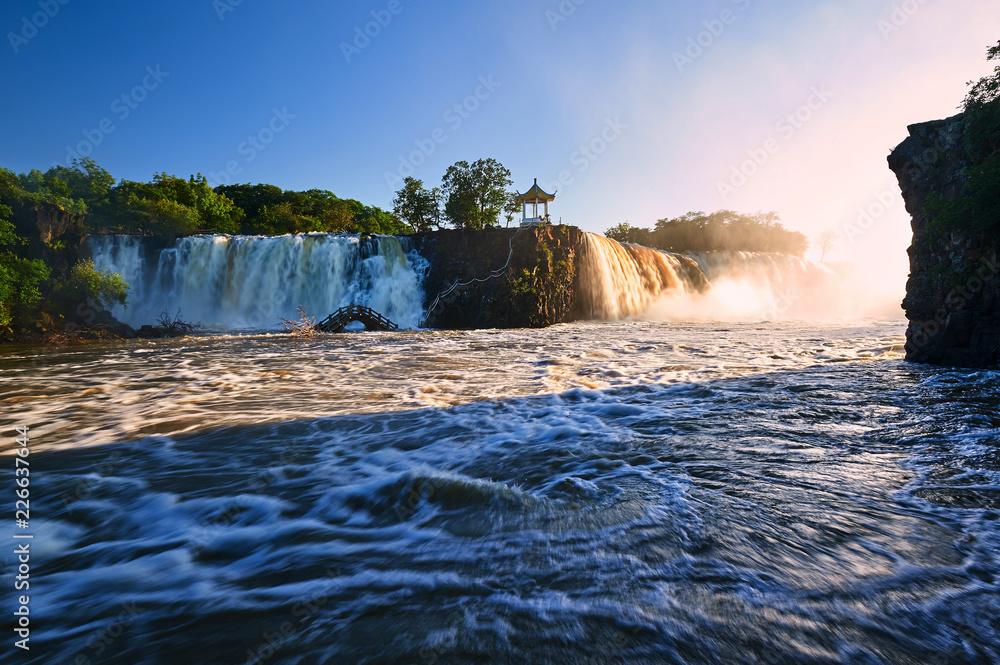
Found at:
<point>552,77</point>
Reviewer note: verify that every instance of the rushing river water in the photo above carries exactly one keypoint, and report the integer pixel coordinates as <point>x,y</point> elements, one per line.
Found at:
<point>592,493</point>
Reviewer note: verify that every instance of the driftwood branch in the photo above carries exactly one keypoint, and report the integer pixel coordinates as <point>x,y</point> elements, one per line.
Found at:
<point>304,327</point>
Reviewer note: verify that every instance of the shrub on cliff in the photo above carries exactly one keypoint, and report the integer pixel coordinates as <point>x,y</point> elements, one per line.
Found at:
<point>20,278</point>
<point>86,284</point>
<point>982,110</point>
<point>78,189</point>
<point>977,208</point>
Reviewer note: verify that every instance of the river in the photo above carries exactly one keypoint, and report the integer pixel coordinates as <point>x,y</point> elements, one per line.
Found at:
<point>603,492</point>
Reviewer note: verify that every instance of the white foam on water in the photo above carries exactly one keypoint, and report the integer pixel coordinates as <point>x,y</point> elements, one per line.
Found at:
<point>761,508</point>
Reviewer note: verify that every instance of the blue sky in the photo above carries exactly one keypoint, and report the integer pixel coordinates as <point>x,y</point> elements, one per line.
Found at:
<point>634,110</point>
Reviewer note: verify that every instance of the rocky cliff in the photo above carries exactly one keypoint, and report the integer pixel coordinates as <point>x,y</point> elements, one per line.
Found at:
<point>44,221</point>
<point>953,294</point>
<point>500,278</point>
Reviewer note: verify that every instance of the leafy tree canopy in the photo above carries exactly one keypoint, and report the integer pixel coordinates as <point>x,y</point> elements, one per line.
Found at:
<point>476,194</point>
<point>987,89</point>
<point>625,232</point>
<point>416,205</point>
<point>977,209</point>
<point>20,278</point>
<point>169,206</point>
<point>724,230</point>
<point>271,211</point>
<point>471,196</point>
<point>87,283</point>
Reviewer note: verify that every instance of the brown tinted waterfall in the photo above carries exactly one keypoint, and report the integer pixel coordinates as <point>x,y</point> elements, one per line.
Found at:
<point>618,281</point>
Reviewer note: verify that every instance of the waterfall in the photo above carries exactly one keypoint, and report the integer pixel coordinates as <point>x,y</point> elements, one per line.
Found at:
<point>249,282</point>
<point>778,286</point>
<point>624,280</point>
<point>619,281</point>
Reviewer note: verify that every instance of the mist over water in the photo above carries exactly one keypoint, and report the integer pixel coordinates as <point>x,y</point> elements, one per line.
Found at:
<point>631,281</point>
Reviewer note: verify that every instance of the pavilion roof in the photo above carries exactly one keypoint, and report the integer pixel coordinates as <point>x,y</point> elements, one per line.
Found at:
<point>536,193</point>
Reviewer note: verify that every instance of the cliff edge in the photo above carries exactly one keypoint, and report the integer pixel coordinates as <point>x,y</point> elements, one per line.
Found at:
<point>953,294</point>
<point>500,278</point>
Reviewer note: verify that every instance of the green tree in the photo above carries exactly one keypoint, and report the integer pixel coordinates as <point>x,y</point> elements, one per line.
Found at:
<point>460,207</point>
<point>724,230</point>
<point>977,207</point>
<point>252,198</point>
<point>437,203</point>
<point>987,89</point>
<point>10,185</point>
<point>372,219</point>
<point>165,218</point>
<point>280,219</point>
<point>86,283</point>
<point>168,207</point>
<point>476,194</point>
<point>338,217</point>
<point>511,208</point>
<point>215,212</point>
<point>50,188</point>
<point>415,205</point>
<point>982,113</point>
<point>79,189</point>
<point>269,210</point>
<point>123,213</point>
<point>625,232</point>
<point>20,278</point>
<point>85,180</point>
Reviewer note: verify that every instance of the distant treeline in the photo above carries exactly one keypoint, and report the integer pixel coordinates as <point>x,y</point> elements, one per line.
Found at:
<point>169,206</point>
<point>720,231</point>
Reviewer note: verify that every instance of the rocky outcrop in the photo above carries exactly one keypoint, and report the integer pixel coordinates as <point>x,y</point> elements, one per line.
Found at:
<point>500,278</point>
<point>44,221</point>
<point>953,294</point>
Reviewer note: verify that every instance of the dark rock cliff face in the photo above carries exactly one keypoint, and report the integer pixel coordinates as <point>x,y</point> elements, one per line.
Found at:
<point>52,234</point>
<point>953,294</point>
<point>44,221</point>
<point>534,289</point>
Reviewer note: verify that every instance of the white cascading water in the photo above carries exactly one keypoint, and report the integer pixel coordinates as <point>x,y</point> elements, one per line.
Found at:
<point>618,281</point>
<point>625,280</point>
<point>250,282</point>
